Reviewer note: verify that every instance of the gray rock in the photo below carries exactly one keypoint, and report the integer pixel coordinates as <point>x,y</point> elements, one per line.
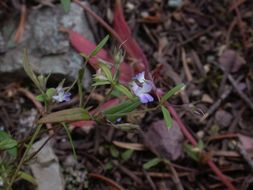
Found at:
<point>49,49</point>
<point>46,168</point>
<point>164,142</point>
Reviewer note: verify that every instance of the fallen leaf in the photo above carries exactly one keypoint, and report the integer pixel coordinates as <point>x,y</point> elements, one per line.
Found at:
<point>230,58</point>
<point>223,118</point>
<point>247,142</point>
<point>131,146</point>
<point>162,141</point>
<point>130,45</point>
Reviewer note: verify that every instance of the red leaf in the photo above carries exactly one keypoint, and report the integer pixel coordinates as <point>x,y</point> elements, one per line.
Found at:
<point>83,45</point>
<point>88,123</point>
<point>106,105</point>
<point>130,45</point>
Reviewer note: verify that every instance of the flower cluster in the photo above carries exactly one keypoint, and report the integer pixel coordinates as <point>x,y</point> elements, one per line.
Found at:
<point>141,88</point>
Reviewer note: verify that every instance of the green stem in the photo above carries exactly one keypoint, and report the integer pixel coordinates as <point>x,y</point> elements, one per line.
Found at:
<point>24,156</point>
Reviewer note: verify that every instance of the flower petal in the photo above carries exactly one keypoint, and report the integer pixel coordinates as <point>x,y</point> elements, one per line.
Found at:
<point>145,98</point>
<point>136,89</point>
<point>147,86</point>
<point>140,77</point>
<point>61,96</point>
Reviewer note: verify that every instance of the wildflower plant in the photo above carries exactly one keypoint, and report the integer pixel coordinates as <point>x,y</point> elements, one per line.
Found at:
<point>137,94</point>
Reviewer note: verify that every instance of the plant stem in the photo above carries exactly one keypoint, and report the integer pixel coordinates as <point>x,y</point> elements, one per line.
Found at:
<point>24,156</point>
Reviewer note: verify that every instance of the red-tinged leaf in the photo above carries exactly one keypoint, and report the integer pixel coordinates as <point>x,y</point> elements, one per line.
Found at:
<point>130,45</point>
<point>104,106</point>
<point>126,73</point>
<point>83,45</point>
<point>67,115</point>
<point>88,123</point>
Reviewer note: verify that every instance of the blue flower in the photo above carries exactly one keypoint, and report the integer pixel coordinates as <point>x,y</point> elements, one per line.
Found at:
<point>141,88</point>
<point>61,95</point>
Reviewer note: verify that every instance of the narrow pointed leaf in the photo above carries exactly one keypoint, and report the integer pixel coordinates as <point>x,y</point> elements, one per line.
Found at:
<point>100,45</point>
<point>124,90</point>
<point>173,91</point>
<point>70,140</point>
<point>127,155</point>
<point>167,117</point>
<point>122,109</point>
<point>27,177</point>
<point>28,69</point>
<point>102,82</point>
<point>151,163</point>
<point>106,70</point>
<point>73,114</point>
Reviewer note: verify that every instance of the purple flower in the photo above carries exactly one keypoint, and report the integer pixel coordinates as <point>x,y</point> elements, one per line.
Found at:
<point>141,88</point>
<point>61,95</point>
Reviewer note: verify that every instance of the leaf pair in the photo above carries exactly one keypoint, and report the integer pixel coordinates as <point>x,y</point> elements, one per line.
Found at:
<point>122,109</point>
<point>166,113</point>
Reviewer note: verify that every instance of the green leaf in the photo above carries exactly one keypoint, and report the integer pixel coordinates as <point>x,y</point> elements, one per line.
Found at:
<point>173,91</point>
<point>66,5</point>
<point>106,71</point>
<point>124,90</point>
<point>108,166</point>
<point>28,69</point>
<point>201,144</point>
<point>192,152</point>
<point>114,152</point>
<point>102,82</point>
<point>151,163</point>
<point>27,177</point>
<point>7,144</point>
<point>40,98</point>
<point>73,114</point>
<point>122,109</point>
<point>7,141</point>
<point>50,92</point>
<point>70,139</point>
<point>127,155</point>
<point>167,117</point>
<point>122,106</point>
<point>100,45</point>
<point>86,57</point>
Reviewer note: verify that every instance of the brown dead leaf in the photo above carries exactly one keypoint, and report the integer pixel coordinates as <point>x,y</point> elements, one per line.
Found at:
<point>131,146</point>
<point>162,141</point>
<point>231,59</point>
<point>223,118</point>
<point>247,142</point>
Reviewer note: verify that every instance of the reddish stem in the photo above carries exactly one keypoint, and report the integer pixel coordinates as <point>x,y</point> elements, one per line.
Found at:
<point>184,130</point>
<point>188,135</point>
<point>180,124</point>
<point>106,180</point>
